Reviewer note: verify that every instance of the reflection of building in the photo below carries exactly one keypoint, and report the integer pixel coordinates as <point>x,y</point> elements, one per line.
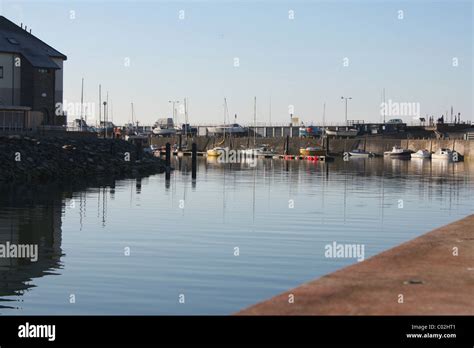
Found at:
<point>31,73</point>
<point>29,218</point>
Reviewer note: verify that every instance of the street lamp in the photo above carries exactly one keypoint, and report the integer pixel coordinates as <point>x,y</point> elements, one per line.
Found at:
<point>346,98</point>
<point>174,102</point>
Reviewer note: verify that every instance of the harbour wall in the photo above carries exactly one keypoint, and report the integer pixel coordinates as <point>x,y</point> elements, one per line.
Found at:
<point>336,146</point>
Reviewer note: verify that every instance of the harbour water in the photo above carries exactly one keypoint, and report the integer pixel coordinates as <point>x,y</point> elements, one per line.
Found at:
<point>234,237</point>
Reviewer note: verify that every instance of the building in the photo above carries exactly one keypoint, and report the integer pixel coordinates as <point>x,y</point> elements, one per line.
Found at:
<point>31,75</point>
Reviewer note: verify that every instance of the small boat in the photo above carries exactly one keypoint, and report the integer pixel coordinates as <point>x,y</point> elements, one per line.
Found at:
<point>444,154</point>
<point>262,150</point>
<point>312,151</point>
<point>348,132</point>
<point>164,127</point>
<point>398,152</point>
<point>421,154</point>
<point>360,153</point>
<point>215,152</point>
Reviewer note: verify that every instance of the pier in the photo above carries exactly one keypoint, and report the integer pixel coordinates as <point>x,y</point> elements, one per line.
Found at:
<point>433,274</point>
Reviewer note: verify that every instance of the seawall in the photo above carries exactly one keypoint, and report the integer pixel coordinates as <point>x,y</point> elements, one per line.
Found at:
<point>424,276</point>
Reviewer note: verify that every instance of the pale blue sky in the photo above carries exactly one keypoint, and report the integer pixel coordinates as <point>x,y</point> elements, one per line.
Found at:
<point>297,62</point>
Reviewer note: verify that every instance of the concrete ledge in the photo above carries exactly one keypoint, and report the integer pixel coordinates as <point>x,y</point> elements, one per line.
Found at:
<point>424,270</point>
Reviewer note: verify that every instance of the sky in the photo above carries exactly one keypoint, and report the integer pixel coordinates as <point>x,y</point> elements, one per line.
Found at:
<point>293,56</point>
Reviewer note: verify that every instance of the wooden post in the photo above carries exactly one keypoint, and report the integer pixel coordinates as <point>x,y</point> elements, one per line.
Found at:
<point>194,160</point>
<point>168,161</point>
<point>287,145</point>
<point>180,142</point>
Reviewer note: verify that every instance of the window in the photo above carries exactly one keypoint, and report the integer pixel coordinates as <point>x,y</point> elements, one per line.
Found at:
<point>1,72</point>
<point>43,71</point>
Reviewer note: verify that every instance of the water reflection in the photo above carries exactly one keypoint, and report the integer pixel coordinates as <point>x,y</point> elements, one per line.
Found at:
<point>177,224</point>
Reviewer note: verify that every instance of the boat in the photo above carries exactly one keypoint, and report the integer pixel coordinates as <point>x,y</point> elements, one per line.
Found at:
<point>360,153</point>
<point>312,151</point>
<point>234,129</point>
<point>164,127</point>
<point>215,152</point>
<point>261,150</point>
<point>421,154</point>
<point>348,132</point>
<point>444,154</point>
<point>398,152</point>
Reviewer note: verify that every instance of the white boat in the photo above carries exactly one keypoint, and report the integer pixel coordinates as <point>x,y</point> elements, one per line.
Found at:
<point>360,153</point>
<point>164,127</point>
<point>233,129</point>
<point>398,152</point>
<point>348,132</point>
<point>444,154</point>
<point>262,150</point>
<point>421,154</point>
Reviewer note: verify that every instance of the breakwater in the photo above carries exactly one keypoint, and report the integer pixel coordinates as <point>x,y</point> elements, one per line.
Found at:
<point>45,159</point>
<point>376,145</point>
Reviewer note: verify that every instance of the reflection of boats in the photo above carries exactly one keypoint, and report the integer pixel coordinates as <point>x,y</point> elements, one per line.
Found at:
<point>360,153</point>
<point>421,154</point>
<point>398,152</point>
<point>312,151</point>
<point>444,154</point>
<point>348,132</point>
<point>215,152</point>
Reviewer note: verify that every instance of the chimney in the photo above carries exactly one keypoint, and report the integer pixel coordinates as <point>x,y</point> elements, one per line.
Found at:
<point>26,27</point>
<point>30,31</point>
<point>21,25</point>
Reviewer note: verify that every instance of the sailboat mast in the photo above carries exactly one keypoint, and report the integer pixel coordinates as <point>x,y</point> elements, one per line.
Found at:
<point>82,102</point>
<point>324,115</point>
<point>185,117</point>
<point>255,120</point>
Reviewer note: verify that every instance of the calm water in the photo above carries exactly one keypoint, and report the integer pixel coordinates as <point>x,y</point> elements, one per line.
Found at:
<point>182,234</point>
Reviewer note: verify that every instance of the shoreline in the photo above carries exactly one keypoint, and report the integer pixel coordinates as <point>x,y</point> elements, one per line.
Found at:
<point>425,271</point>
<point>57,159</point>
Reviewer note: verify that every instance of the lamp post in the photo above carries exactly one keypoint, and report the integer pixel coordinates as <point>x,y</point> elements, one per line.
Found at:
<point>346,99</point>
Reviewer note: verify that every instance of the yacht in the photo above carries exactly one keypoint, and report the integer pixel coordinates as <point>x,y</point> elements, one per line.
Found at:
<point>421,154</point>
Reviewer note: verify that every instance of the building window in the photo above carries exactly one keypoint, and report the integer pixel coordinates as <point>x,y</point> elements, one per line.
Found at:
<point>1,72</point>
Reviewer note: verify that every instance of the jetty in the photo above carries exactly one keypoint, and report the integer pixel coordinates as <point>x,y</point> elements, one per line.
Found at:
<point>429,275</point>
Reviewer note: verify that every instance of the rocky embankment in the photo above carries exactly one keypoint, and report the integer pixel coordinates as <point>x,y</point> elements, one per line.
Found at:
<point>30,159</point>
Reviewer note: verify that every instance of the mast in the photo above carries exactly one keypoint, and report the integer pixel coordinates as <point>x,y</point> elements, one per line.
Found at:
<point>324,114</point>
<point>225,107</point>
<point>255,121</point>
<point>133,121</point>
<point>82,102</point>
<point>185,117</point>
<point>100,104</point>
<point>385,106</point>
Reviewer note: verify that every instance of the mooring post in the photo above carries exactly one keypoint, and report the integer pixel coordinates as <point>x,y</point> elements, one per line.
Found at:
<point>180,143</point>
<point>287,145</point>
<point>194,160</point>
<point>168,161</point>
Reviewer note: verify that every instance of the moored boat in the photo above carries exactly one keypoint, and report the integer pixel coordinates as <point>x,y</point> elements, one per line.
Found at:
<point>443,154</point>
<point>360,153</point>
<point>398,152</point>
<point>312,151</point>
<point>215,152</point>
<point>421,154</point>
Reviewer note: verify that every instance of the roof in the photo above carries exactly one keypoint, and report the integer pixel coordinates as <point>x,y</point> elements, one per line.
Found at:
<point>14,39</point>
